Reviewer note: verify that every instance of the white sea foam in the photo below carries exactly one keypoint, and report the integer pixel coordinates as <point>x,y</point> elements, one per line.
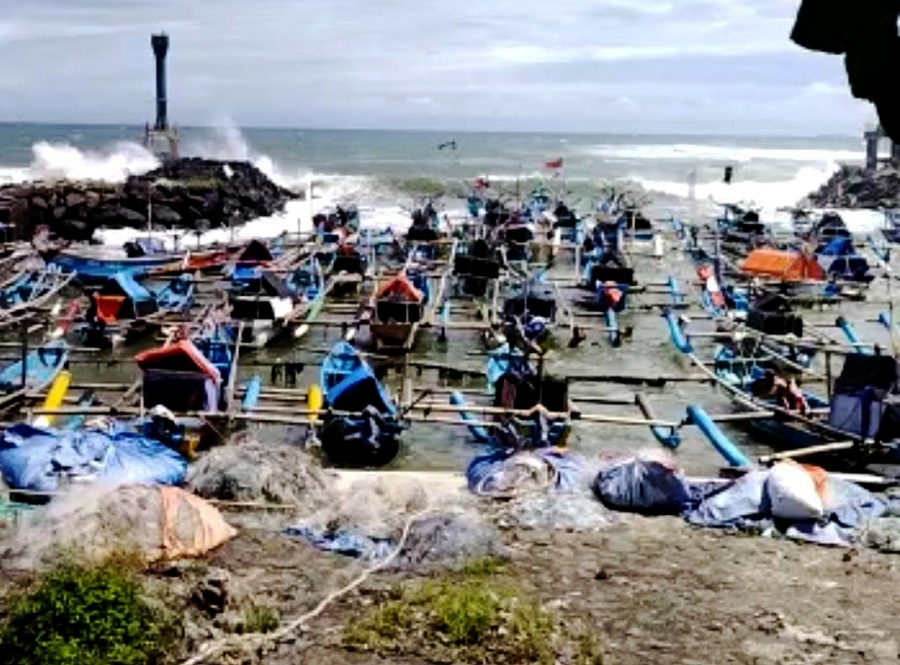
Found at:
<point>777,194</point>
<point>719,153</point>
<point>57,161</point>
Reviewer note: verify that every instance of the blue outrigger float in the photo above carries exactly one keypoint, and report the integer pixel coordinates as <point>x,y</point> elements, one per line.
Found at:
<point>857,429</point>
<point>361,426</point>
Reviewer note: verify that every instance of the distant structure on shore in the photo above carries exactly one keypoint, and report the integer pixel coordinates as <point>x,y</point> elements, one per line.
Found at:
<point>873,138</point>
<point>161,138</point>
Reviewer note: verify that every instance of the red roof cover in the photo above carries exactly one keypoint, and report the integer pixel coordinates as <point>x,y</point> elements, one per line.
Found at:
<point>400,286</point>
<point>182,356</point>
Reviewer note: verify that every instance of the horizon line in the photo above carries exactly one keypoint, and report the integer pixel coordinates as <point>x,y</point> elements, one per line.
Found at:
<point>436,130</point>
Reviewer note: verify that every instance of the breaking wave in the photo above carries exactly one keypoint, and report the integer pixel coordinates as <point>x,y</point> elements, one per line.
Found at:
<point>778,193</point>
<point>718,153</point>
<point>57,161</point>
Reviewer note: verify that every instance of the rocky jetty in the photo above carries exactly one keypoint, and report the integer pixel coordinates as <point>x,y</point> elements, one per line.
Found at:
<point>854,187</point>
<point>191,194</point>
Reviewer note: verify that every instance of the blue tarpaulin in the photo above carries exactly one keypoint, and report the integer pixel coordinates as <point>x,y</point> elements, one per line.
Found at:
<point>349,542</point>
<point>38,459</point>
<point>500,471</point>
<point>646,486</point>
<point>649,486</point>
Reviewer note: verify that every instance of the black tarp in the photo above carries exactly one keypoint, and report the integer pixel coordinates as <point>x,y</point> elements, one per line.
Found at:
<point>255,252</point>
<point>536,300</point>
<point>772,315</point>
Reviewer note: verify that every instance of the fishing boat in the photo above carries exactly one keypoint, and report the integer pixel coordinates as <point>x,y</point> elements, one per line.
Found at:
<point>529,311</point>
<point>188,388</point>
<point>567,224</point>
<point>38,367</point>
<point>858,427</point>
<point>537,405</point>
<point>123,309</point>
<point>828,227</point>
<point>261,304</point>
<point>94,264</point>
<point>246,263</point>
<point>35,371</point>
<point>29,290</point>
<point>475,264</point>
<point>891,226</point>
<point>398,307</point>
<point>425,232</point>
<point>361,426</point>
<point>517,231</point>
<point>741,226</point>
<point>839,260</point>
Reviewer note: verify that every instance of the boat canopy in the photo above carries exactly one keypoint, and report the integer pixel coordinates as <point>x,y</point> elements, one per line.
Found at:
<point>124,284</point>
<point>254,252</point>
<point>122,298</point>
<point>400,288</point>
<point>838,246</point>
<point>789,266</point>
<point>182,356</point>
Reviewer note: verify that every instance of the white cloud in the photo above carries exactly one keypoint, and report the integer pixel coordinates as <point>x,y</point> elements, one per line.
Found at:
<point>404,62</point>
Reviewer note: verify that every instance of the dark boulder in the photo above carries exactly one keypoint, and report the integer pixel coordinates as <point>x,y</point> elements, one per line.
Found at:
<point>165,216</point>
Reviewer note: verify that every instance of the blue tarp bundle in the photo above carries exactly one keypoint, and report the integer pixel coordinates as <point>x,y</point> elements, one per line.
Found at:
<point>349,542</point>
<point>37,459</point>
<point>646,486</point>
<point>653,487</point>
<point>500,471</point>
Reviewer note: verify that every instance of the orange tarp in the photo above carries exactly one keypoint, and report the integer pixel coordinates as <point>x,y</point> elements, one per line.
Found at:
<point>790,266</point>
<point>400,286</point>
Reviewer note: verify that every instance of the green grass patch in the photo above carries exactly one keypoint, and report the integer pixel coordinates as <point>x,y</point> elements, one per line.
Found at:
<point>261,619</point>
<point>476,616</point>
<point>77,615</point>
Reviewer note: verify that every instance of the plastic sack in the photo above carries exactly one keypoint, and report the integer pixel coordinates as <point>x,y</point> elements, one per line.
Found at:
<point>647,484</point>
<point>792,493</point>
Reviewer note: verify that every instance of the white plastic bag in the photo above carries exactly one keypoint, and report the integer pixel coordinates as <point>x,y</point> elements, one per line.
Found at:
<point>792,493</point>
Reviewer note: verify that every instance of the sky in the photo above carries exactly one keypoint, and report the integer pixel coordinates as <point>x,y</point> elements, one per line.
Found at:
<point>617,66</point>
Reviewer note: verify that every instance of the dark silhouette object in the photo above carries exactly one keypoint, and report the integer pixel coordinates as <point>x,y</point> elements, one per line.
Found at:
<point>865,33</point>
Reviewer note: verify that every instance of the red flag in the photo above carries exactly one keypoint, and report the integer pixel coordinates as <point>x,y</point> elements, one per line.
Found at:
<point>555,164</point>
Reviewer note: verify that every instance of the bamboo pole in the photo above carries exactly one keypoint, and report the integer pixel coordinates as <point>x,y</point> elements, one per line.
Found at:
<point>807,451</point>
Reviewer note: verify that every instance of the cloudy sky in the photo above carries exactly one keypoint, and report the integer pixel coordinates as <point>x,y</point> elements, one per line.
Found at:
<point>642,66</point>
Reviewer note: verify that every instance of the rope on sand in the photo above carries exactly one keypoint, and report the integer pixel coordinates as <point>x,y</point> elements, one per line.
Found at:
<point>280,634</point>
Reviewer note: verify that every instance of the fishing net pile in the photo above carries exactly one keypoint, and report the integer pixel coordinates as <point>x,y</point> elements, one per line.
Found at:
<point>249,470</point>
<point>445,527</point>
<point>150,522</point>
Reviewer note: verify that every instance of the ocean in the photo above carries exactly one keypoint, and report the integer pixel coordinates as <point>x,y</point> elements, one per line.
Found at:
<point>384,171</point>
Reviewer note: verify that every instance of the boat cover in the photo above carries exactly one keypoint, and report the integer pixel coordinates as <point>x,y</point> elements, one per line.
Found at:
<point>859,402</point>
<point>359,390</point>
<point>254,252</point>
<point>400,288</point>
<point>182,356</point>
<point>838,246</point>
<point>789,266</point>
<point>40,459</point>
